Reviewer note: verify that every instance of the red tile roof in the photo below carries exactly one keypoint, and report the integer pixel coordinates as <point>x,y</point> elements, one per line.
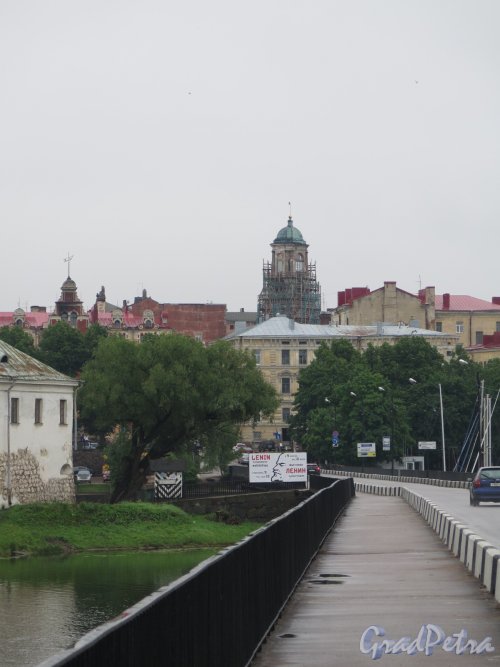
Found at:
<point>464,302</point>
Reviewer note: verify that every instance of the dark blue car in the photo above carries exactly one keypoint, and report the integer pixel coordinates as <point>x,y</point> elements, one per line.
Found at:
<point>485,486</point>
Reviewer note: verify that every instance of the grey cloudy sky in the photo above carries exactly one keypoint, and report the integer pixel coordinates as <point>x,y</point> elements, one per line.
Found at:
<point>160,141</point>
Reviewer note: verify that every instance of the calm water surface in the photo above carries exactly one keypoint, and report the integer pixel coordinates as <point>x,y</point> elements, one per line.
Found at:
<point>46,604</point>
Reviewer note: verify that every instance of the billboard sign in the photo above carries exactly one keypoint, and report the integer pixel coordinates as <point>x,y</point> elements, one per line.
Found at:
<point>366,450</point>
<point>386,443</point>
<point>280,467</point>
<point>427,445</point>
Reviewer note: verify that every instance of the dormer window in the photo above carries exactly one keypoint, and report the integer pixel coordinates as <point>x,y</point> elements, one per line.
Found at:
<point>148,324</point>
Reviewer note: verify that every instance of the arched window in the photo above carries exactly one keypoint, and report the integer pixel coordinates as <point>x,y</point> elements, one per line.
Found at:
<point>117,324</point>
<point>73,317</point>
<point>299,262</point>
<point>280,263</point>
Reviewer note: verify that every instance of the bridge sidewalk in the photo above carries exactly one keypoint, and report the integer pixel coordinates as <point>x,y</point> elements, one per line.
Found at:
<point>381,566</point>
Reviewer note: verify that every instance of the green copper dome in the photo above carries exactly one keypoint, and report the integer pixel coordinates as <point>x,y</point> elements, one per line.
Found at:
<point>290,234</point>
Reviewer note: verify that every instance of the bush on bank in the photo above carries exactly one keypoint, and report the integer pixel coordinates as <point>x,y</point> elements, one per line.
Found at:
<point>56,528</point>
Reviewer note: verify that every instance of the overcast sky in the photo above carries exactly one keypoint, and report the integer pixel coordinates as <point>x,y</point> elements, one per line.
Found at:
<point>160,141</point>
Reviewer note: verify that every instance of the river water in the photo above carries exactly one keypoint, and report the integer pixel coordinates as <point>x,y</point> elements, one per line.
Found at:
<point>46,604</point>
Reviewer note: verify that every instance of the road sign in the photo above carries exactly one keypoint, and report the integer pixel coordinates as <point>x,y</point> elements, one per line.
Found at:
<point>335,441</point>
<point>386,443</point>
<point>366,450</point>
<point>427,445</point>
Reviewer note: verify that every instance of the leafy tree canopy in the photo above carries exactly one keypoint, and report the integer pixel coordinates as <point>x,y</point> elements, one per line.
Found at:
<point>168,392</point>
<point>365,396</point>
<point>63,347</point>
<point>18,338</point>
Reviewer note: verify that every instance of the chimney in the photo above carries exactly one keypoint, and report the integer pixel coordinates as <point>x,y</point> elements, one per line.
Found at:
<point>446,302</point>
<point>496,300</point>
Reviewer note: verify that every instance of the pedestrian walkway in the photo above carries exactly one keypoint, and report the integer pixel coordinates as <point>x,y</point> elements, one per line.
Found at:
<point>382,566</point>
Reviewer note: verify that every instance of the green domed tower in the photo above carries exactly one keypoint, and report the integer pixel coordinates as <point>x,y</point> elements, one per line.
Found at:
<point>289,282</point>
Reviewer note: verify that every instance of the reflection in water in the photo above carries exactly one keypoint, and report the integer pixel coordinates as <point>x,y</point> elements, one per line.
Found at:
<point>46,604</point>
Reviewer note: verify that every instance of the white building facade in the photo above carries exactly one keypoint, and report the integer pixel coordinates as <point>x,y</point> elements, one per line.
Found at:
<point>36,430</point>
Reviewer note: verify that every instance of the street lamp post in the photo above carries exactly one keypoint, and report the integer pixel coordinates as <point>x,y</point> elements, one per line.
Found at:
<point>413,381</point>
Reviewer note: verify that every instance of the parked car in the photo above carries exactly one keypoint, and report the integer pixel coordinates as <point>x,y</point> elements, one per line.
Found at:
<point>313,469</point>
<point>485,486</point>
<point>244,459</point>
<point>241,447</point>
<point>82,474</point>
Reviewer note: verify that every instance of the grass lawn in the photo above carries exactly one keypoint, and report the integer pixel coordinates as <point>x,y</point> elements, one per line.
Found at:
<point>55,528</point>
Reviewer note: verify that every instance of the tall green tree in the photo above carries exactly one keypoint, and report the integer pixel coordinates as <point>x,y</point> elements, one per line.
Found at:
<point>167,393</point>
<point>63,347</point>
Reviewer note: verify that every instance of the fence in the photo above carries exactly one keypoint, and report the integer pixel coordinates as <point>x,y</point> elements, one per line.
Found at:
<point>221,611</point>
<point>226,487</point>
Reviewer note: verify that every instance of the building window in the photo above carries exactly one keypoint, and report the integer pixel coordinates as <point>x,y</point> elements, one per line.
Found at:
<point>73,317</point>
<point>257,436</point>
<point>439,326</point>
<point>285,385</point>
<point>479,337</point>
<point>459,327</point>
<point>285,413</point>
<point>285,357</point>
<point>14,411</point>
<point>299,263</point>
<point>62,412</point>
<point>256,354</point>
<point>497,328</point>
<point>302,357</point>
<point>38,410</point>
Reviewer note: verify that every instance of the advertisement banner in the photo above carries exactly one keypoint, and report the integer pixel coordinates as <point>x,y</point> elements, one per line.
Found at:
<point>281,467</point>
<point>386,443</point>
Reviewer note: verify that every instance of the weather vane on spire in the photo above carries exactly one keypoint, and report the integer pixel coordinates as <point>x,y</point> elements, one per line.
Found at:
<point>68,260</point>
<point>290,205</point>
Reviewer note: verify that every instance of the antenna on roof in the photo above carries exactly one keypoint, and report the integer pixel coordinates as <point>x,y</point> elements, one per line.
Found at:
<point>419,282</point>
<point>68,260</point>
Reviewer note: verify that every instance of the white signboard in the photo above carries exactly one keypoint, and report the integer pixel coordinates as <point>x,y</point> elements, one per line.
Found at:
<point>386,443</point>
<point>282,467</point>
<point>366,450</point>
<point>427,445</point>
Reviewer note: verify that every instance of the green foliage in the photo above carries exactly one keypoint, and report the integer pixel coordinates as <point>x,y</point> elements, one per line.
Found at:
<point>167,393</point>
<point>19,338</point>
<point>63,347</point>
<point>365,396</point>
<point>93,336</point>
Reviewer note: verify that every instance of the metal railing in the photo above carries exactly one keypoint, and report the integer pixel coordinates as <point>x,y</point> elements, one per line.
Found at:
<point>219,613</point>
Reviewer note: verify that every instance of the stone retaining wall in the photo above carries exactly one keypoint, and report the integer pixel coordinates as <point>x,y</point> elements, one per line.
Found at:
<point>247,506</point>
<point>27,485</point>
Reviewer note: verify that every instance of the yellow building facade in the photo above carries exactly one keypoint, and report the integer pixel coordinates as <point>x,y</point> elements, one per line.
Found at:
<point>282,347</point>
<point>474,321</point>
